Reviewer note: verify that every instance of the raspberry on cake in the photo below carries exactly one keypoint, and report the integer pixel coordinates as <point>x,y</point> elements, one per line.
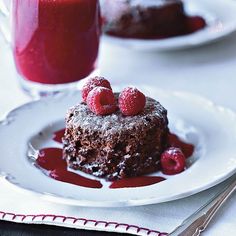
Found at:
<point>115,146</point>
<point>131,101</point>
<point>101,101</point>
<point>92,83</point>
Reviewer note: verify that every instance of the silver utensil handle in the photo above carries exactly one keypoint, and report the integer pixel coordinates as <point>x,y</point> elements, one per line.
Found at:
<point>198,221</point>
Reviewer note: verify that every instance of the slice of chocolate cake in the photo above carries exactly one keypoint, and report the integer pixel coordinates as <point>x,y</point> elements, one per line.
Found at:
<point>115,146</point>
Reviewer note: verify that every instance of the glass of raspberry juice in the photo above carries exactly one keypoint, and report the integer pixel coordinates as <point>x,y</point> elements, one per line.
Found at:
<point>55,42</point>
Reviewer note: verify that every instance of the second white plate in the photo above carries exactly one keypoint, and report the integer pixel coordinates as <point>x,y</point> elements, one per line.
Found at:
<point>219,15</point>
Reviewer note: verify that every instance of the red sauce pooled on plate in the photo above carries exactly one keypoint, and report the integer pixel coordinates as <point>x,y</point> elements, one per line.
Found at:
<point>187,148</point>
<point>136,182</point>
<point>50,159</point>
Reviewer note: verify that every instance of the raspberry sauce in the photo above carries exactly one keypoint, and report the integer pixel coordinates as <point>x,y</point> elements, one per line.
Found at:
<point>186,148</point>
<point>58,135</point>
<point>136,182</point>
<point>55,42</point>
<point>50,159</point>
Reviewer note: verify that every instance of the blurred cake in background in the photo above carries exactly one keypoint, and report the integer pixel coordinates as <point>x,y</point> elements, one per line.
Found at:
<point>148,19</point>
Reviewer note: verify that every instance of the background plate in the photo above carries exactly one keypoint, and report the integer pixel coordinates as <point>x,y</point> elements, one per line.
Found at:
<point>219,14</point>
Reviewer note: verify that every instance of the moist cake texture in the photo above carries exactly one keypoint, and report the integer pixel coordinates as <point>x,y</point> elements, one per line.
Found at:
<point>115,146</point>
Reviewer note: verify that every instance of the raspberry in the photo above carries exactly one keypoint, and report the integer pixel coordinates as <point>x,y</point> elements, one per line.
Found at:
<point>172,161</point>
<point>101,101</point>
<point>92,83</point>
<point>131,101</point>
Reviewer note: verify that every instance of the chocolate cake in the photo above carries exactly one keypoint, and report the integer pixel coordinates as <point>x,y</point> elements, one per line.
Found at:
<point>147,19</point>
<point>115,146</point>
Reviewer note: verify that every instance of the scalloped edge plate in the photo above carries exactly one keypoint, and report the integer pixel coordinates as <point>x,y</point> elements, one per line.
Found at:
<point>195,119</point>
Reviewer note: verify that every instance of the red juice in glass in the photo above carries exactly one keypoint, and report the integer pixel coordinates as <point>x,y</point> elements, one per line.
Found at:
<point>55,42</point>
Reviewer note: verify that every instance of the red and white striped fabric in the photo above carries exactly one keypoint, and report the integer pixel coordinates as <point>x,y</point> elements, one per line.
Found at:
<point>152,220</point>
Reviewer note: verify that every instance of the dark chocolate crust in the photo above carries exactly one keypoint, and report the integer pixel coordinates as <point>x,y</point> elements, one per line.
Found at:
<point>115,146</point>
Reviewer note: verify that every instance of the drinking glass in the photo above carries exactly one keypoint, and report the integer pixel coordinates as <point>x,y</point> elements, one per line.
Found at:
<point>55,43</point>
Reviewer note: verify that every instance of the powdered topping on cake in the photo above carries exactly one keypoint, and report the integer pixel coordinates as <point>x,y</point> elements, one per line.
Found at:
<point>81,116</point>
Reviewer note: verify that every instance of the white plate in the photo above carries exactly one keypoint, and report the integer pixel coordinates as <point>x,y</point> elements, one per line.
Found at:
<point>212,129</point>
<point>219,15</point>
